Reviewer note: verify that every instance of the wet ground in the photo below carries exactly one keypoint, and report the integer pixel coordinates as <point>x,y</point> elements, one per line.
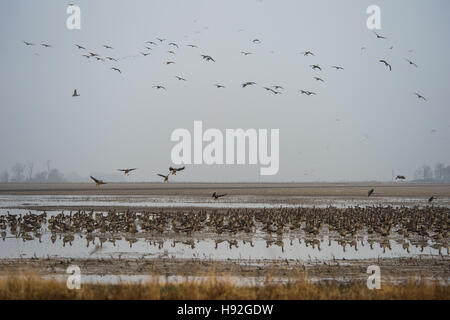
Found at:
<point>111,256</point>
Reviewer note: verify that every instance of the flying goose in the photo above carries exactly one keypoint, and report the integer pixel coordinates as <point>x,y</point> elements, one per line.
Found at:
<point>111,59</point>
<point>370,192</point>
<point>277,87</point>
<point>151,42</point>
<point>107,47</point>
<point>400,177</point>
<point>46,45</point>
<point>161,40</point>
<point>166,178</point>
<point>337,67</point>
<point>148,48</point>
<point>411,62</point>
<point>419,96</point>
<point>207,58</point>
<point>75,93</point>
<point>169,62</point>
<point>86,55</point>
<point>249,83</point>
<point>217,196</point>
<point>99,59</point>
<point>307,53</point>
<point>171,52</point>
<point>145,54</point>
<point>219,86</point>
<point>173,44</point>
<point>308,93</point>
<point>92,54</point>
<point>245,53</point>
<point>127,171</point>
<point>386,64</point>
<point>116,69</point>
<point>80,47</point>
<point>175,170</point>
<point>256,41</point>
<point>192,45</point>
<point>28,43</point>
<point>180,78</point>
<point>315,66</point>
<point>97,181</point>
<point>159,87</point>
<point>318,79</point>
<point>378,36</point>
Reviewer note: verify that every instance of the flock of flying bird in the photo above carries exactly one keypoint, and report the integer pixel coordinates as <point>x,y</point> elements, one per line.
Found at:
<point>149,45</point>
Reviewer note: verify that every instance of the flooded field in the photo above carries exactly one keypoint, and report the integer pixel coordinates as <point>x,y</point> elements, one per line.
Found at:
<point>244,236</point>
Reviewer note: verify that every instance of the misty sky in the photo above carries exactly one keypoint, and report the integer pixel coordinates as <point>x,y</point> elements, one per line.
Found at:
<point>364,122</point>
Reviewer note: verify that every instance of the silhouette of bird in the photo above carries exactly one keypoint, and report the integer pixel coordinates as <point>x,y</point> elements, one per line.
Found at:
<point>151,42</point>
<point>86,55</point>
<point>161,39</point>
<point>419,96</point>
<point>337,67</point>
<point>217,196</point>
<point>308,93</point>
<point>307,53</point>
<point>111,59</point>
<point>175,170</point>
<point>171,52</point>
<point>75,93</point>
<point>99,59</point>
<point>277,87</point>
<point>249,83</point>
<point>173,44</point>
<point>315,66</point>
<point>192,45</point>
<point>116,69</point>
<point>180,78</point>
<point>46,45</point>
<point>145,54</point>
<point>245,53</point>
<point>378,36</point>
<point>400,177</point>
<point>80,47</point>
<point>207,58</point>
<point>411,62</point>
<point>318,79</point>
<point>256,41</point>
<point>28,43</point>
<point>169,62</point>
<point>166,178</point>
<point>107,47</point>
<point>370,192</point>
<point>219,86</point>
<point>127,171</point>
<point>98,182</point>
<point>431,199</point>
<point>92,54</point>
<point>386,64</point>
<point>159,87</point>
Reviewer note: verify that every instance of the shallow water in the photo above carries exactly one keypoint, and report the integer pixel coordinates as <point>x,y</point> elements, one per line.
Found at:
<point>8,201</point>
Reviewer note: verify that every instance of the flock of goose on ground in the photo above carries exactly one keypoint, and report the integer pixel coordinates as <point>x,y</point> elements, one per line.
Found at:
<point>418,225</point>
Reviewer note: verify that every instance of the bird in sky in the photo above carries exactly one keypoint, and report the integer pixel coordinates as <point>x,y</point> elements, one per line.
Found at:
<point>80,47</point>
<point>169,62</point>
<point>318,79</point>
<point>116,69</point>
<point>174,171</point>
<point>75,93</point>
<point>207,58</point>
<point>166,178</point>
<point>192,45</point>
<point>307,53</point>
<point>308,93</point>
<point>219,86</point>
<point>127,171</point>
<point>369,193</point>
<point>46,45</point>
<point>386,64</point>
<point>315,66</point>
<point>419,96</point>
<point>378,36</point>
<point>171,52</point>
<point>249,83</point>
<point>151,42</point>
<point>111,59</point>
<point>159,87</point>
<point>145,54</point>
<point>276,87</point>
<point>107,47</point>
<point>161,39</point>
<point>400,177</point>
<point>216,196</point>
<point>173,44</point>
<point>180,78</point>
<point>28,43</point>
<point>411,62</point>
<point>337,67</point>
<point>98,182</point>
<point>256,41</point>
<point>245,53</point>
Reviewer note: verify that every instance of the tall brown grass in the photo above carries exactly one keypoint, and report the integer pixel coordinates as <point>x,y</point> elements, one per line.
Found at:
<point>31,286</point>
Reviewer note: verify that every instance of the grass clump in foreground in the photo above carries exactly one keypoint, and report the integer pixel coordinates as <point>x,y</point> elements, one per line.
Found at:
<point>31,286</point>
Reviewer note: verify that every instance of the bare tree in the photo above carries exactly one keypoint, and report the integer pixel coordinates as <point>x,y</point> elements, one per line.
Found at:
<point>30,171</point>
<point>427,173</point>
<point>439,171</point>
<point>4,177</point>
<point>18,171</point>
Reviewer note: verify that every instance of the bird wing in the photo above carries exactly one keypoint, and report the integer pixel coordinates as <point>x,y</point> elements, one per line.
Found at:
<point>95,180</point>
<point>161,175</point>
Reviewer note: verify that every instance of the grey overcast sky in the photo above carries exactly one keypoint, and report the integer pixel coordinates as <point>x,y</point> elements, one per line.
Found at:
<point>364,122</point>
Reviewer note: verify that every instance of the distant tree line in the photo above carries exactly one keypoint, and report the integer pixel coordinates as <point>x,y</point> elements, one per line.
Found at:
<point>440,173</point>
<point>21,172</point>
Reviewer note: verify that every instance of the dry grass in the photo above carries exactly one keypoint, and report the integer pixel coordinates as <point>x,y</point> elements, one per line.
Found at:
<point>31,286</point>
